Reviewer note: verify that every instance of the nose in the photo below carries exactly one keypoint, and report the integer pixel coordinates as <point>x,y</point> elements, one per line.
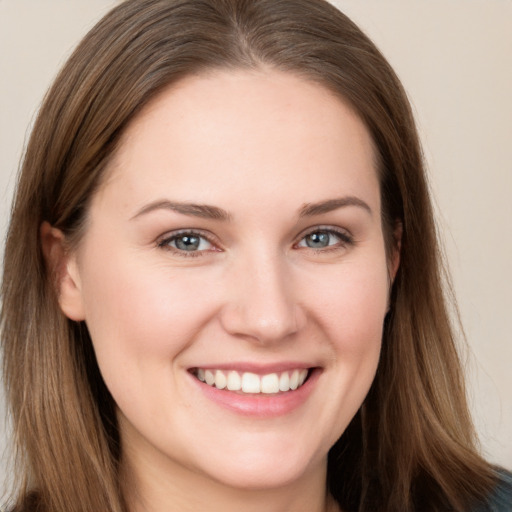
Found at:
<point>262,305</point>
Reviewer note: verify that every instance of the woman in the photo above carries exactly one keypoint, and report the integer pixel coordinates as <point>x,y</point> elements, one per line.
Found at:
<point>222,287</point>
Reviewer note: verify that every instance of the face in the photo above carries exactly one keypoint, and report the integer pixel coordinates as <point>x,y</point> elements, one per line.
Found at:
<point>234,280</point>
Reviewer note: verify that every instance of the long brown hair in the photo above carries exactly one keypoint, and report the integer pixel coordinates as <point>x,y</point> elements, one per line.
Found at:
<point>411,445</point>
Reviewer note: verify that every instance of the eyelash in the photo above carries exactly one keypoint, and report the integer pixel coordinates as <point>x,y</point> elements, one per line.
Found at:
<point>165,243</point>
<point>346,240</point>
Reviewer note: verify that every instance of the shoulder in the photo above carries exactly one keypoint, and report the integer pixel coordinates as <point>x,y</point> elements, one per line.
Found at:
<point>500,499</point>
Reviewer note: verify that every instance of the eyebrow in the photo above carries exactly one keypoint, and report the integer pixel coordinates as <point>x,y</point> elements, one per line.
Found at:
<point>310,209</point>
<point>203,211</point>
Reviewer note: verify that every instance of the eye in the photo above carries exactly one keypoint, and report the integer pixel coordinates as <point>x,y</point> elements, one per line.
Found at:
<point>325,238</point>
<point>186,242</point>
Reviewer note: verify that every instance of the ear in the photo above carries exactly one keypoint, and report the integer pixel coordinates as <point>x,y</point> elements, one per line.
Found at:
<point>62,266</point>
<point>394,257</point>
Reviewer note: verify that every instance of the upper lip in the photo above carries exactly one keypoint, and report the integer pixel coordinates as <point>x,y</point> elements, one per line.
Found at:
<point>259,369</point>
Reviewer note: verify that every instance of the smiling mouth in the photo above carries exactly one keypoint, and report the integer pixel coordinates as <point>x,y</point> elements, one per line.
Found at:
<point>252,383</point>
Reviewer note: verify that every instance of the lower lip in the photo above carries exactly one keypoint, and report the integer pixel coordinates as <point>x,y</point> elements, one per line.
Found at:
<point>260,405</point>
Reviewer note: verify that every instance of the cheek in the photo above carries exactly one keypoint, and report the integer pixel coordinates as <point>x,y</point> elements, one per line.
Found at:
<point>352,305</point>
<point>141,314</point>
<point>348,307</point>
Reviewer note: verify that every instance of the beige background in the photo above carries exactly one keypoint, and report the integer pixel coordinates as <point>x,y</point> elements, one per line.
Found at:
<point>455,59</point>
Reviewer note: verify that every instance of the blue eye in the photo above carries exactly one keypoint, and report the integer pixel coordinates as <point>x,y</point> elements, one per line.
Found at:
<point>323,238</point>
<point>318,240</point>
<point>188,242</point>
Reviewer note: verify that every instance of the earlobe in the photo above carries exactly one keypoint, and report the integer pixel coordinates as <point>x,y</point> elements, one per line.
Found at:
<point>62,266</point>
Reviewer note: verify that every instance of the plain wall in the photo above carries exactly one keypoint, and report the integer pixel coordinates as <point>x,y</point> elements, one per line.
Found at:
<point>455,60</point>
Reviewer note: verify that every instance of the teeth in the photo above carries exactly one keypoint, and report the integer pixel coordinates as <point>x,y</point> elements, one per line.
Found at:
<point>270,383</point>
<point>251,383</point>
<point>234,381</point>
<point>248,382</point>
<point>284,382</point>
<point>294,379</point>
<point>209,377</point>
<point>220,380</point>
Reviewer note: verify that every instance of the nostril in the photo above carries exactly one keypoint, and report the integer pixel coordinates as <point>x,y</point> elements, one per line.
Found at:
<point>260,303</point>
<point>265,324</point>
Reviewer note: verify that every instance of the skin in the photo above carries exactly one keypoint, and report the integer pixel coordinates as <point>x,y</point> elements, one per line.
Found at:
<point>261,145</point>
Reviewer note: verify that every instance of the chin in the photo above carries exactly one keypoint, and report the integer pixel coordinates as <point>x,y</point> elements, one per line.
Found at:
<point>267,465</point>
<point>261,474</point>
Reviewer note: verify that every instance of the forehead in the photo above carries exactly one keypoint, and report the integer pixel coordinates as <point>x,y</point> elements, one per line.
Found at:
<point>254,129</point>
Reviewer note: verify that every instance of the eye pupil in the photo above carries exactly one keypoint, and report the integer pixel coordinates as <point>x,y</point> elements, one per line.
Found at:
<point>317,240</point>
<point>187,242</point>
